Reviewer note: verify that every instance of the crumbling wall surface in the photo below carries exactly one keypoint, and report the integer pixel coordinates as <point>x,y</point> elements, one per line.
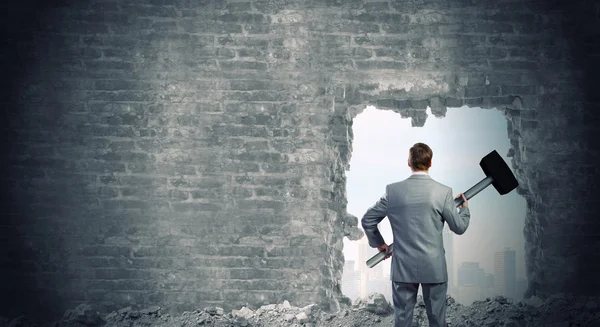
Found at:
<point>192,153</point>
<point>533,61</point>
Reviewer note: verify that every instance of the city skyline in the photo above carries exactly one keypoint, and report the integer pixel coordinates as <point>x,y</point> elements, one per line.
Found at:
<point>505,272</point>
<point>379,157</point>
<point>473,283</point>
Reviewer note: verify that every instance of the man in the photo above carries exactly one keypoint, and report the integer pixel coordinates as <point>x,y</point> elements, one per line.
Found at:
<point>417,208</point>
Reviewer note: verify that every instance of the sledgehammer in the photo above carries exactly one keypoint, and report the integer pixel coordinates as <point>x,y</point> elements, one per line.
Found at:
<point>497,173</point>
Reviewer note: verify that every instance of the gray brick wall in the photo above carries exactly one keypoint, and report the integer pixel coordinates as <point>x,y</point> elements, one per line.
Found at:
<point>192,153</point>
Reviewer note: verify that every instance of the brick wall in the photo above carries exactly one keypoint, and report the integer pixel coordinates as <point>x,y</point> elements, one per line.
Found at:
<point>192,153</point>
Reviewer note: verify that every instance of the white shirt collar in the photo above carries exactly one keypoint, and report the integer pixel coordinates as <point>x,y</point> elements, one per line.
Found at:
<point>419,173</point>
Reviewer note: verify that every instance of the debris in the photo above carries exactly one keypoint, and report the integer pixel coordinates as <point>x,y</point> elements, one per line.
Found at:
<point>373,311</point>
<point>375,303</point>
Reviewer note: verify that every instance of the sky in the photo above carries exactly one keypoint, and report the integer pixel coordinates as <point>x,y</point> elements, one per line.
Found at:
<point>459,141</point>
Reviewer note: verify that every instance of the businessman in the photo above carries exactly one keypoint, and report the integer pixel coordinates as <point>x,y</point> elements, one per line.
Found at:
<point>417,208</point>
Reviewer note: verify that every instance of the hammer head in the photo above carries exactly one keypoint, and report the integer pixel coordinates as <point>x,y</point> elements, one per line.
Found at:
<point>494,166</point>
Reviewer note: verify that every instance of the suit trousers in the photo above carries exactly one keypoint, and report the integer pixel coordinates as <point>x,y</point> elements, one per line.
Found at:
<point>405,298</point>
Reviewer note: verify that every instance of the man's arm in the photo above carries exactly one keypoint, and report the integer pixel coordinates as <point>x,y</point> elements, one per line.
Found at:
<point>458,222</point>
<point>372,217</point>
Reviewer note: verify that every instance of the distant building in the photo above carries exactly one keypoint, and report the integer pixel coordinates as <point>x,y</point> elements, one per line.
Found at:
<point>488,285</point>
<point>370,280</point>
<point>350,280</point>
<point>469,273</point>
<point>377,272</point>
<point>505,271</point>
<point>365,251</point>
<point>471,282</point>
<point>447,237</point>
<point>488,281</point>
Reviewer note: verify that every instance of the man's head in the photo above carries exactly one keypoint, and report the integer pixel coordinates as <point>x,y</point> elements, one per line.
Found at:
<point>419,157</point>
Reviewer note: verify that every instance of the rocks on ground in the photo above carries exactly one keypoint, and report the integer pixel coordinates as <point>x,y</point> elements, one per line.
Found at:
<point>557,310</point>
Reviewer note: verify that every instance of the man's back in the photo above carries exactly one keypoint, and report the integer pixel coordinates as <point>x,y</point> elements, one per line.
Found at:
<point>417,208</point>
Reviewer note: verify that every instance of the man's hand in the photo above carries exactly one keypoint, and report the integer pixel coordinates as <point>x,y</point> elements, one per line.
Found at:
<point>382,248</point>
<point>465,202</point>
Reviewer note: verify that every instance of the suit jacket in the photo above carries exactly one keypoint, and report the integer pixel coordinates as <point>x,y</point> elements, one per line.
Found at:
<point>417,208</point>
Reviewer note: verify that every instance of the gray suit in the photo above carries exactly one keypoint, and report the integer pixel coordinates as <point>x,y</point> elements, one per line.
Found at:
<point>417,208</point>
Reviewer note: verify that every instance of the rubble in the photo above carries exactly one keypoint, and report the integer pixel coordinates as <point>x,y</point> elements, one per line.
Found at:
<point>556,311</point>
<point>375,303</point>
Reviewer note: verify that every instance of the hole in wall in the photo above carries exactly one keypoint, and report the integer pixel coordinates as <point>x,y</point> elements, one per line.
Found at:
<point>488,259</point>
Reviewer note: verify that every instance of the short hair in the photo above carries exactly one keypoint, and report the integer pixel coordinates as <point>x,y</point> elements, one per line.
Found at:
<point>420,156</point>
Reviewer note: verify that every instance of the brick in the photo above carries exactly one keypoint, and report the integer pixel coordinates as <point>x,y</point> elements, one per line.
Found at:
<point>296,251</point>
<point>254,131</point>
<point>244,18</point>
<point>487,28</point>
<point>285,132</point>
<point>532,27</point>
<point>256,146</point>
<point>514,65</point>
<point>150,11</point>
<point>184,171</point>
<point>379,40</point>
<point>254,284</point>
<point>412,30</point>
<point>260,205</point>
<point>258,96</point>
<point>544,40</point>
<point>381,17</point>
<point>474,102</point>
<point>351,4</point>
<point>271,192</point>
<point>246,85</point>
<point>114,85</point>
<point>376,6</point>
<point>258,29</point>
<point>205,27</point>
<point>504,78</point>
<point>250,52</point>
<point>389,52</point>
<point>478,91</point>
<point>250,273</point>
<point>378,64</point>
<point>454,102</point>
<point>445,29</point>
<point>258,42</point>
<point>519,89</point>
<point>185,41</point>
<point>354,28</point>
<point>126,156</point>
<point>348,27</point>
<point>329,40</point>
<point>133,191</point>
<point>195,207</point>
<point>122,204</point>
<point>419,104</point>
<point>501,100</point>
<point>260,156</point>
<point>239,6</point>
<point>403,104</point>
<point>491,53</point>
